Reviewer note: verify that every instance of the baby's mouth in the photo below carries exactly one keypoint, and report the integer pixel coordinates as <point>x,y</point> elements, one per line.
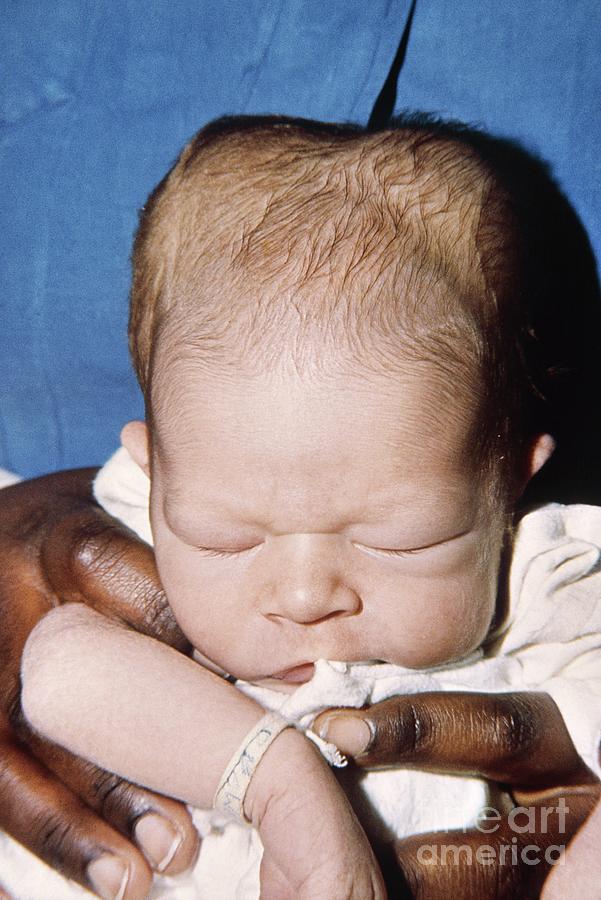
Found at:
<point>296,674</point>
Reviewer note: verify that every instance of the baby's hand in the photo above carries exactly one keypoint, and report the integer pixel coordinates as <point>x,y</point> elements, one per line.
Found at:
<point>314,845</point>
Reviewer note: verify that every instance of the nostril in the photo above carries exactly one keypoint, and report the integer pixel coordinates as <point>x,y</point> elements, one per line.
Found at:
<point>335,614</point>
<point>305,615</point>
<point>307,595</point>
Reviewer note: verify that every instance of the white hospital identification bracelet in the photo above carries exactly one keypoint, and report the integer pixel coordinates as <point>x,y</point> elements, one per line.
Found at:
<point>239,771</point>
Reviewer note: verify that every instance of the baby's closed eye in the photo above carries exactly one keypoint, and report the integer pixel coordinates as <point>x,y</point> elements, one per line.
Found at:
<point>225,553</point>
<point>411,551</point>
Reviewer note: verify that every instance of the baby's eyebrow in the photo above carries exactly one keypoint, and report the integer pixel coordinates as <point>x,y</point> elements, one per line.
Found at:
<point>430,522</point>
<point>192,517</point>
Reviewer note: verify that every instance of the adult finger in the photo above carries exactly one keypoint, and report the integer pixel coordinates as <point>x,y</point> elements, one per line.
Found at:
<point>49,820</point>
<point>161,828</point>
<point>57,544</point>
<point>516,738</point>
<point>41,551</point>
<point>90,557</point>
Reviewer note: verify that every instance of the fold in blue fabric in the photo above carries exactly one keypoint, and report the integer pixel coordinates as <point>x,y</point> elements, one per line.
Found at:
<point>97,98</point>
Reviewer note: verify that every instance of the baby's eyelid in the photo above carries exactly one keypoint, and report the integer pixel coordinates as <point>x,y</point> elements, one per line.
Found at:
<point>388,551</point>
<point>222,551</point>
<point>409,551</point>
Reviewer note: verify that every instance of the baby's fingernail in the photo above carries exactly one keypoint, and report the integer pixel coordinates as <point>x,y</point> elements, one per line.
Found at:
<point>351,734</point>
<point>158,839</point>
<point>109,875</point>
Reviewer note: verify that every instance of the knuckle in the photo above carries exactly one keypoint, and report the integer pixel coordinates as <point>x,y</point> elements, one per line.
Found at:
<point>509,882</point>
<point>55,840</point>
<point>514,727</point>
<point>152,601</point>
<point>159,621</point>
<point>13,708</point>
<point>414,730</point>
<point>92,552</point>
<point>117,801</point>
<point>417,728</point>
<point>103,554</point>
<point>17,720</point>
<point>76,548</point>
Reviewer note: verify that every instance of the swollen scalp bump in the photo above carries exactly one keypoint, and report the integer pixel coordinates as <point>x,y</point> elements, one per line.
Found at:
<point>273,224</point>
<point>278,241</point>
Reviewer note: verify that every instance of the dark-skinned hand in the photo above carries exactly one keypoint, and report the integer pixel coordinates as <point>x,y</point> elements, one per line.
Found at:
<point>519,741</point>
<point>56,545</point>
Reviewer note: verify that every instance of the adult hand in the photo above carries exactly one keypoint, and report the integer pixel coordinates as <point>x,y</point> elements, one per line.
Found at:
<point>517,740</point>
<point>56,545</point>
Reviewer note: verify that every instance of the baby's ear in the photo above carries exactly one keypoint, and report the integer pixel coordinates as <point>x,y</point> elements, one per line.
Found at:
<point>541,449</point>
<point>134,437</point>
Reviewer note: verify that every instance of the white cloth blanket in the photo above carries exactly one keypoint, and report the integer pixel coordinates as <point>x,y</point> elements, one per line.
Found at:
<point>551,642</point>
<point>7,478</point>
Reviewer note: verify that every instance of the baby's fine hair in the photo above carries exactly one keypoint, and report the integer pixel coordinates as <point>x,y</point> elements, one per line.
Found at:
<point>280,241</point>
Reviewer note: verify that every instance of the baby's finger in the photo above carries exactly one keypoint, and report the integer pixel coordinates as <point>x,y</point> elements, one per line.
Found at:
<point>513,738</point>
<point>53,824</point>
<point>274,884</point>
<point>580,873</point>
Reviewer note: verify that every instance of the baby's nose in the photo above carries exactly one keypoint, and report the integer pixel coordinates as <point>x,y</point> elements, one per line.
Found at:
<point>311,605</point>
<point>307,584</point>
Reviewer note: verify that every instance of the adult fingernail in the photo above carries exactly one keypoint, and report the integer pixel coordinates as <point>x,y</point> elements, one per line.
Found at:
<point>351,734</point>
<point>109,875</point>
<point>158,839</point>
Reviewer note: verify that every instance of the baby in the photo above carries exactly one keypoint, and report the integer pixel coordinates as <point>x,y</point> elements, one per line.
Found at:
<point>330,327</point>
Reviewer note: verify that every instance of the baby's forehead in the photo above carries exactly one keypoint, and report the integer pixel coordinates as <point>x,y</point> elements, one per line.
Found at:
<point>297,454</point>
<point>413,404</point>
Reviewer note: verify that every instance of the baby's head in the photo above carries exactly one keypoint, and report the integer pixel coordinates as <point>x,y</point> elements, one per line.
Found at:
<point>328,326</point>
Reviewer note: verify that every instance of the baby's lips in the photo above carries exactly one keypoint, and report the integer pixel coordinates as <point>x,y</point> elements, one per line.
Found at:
<point>296,674</point>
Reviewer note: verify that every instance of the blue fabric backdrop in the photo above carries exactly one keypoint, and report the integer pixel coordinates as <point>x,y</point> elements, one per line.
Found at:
<point>98,96</point>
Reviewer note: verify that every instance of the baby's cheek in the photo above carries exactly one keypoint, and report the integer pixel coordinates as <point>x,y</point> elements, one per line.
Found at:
<point>468,613</point>
<point>199,605</point>
<point>446,620</point>
<point>207,625</point>
<point>223,634</point>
